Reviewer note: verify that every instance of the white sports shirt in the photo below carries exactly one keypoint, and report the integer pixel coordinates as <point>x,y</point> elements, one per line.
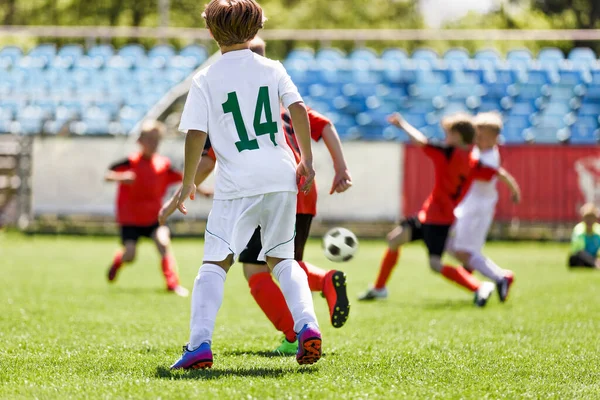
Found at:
<point>236,101</point>
<point>482,196</point>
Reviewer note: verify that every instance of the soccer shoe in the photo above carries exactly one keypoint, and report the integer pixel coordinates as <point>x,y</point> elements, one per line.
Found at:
<point>200,358</point>
<point>503,286</point>
<point>482,295</point>
<point>309,345</point>
<point>334,291</point>
<point>287,348</point>
<point>112,272</point>
<point>180,291</point>
<point>373,294</point>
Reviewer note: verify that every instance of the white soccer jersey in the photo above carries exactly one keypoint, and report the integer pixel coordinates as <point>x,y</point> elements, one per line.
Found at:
<point>482,196</point>
<point>236,101</point>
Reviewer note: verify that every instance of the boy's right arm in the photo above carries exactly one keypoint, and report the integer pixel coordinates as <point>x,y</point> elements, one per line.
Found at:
<point>194,145</point>
<point>415,135</point>
<point>512,184</point>
<point>120,172</point>
<point>302,129</point>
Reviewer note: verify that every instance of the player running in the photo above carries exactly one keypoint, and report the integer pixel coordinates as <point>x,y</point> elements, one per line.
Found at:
<point>236,101</point>
<point>332,283</point>
<point>475,213</point>
<point>143,180</point>
<point>433,222</point>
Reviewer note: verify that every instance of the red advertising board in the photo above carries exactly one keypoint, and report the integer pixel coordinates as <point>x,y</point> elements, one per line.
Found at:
<point>555,181</point>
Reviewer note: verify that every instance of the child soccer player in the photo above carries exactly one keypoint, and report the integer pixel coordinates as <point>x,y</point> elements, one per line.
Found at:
<point>451,163</point>
<point>585,240</point>
<point>236,101</point>
<point>475,213</point>
<point>332,283</point>
<point>143,181</point>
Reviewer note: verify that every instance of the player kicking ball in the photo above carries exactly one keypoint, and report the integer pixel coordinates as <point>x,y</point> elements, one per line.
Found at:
<point>267,294</point>
<point>475,213</point>
<point>236,102</point>
<point>143,180</point>
<point>433,222</point>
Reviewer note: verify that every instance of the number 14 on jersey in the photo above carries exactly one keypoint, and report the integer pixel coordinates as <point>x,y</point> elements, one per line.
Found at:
<point>269,127</point>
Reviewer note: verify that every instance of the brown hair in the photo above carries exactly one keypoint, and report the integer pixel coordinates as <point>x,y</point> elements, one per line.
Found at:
<point>258,46</point>
<point>489,120</point>
<point>233,21</point>
<point>462,124</point>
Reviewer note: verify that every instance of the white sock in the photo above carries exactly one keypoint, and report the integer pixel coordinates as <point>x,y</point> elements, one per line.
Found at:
<point>294,285</point>
<point>207,297</point>
<point>487,267</point>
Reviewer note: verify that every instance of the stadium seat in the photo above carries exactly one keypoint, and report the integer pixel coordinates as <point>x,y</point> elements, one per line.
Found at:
<point>519,58</point>
<point>582,57</point>
<point>550,58</point>
<point>132,52</point>
<point>46,52</point>
<point>394,54</point>
<point>306,55</point>
<point>196,52</point>
<point>425,56</point>
<point>163,50</point>
<point>456,58</point>
<point>330,55</point>
<point>9,55</point>
<point>363,54</point>
<point>584,134</point>
<point>72,51</point>
<point>488,59</point>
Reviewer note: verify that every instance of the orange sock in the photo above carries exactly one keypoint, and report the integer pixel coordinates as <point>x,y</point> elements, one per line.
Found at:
<point>461,276</point>
<point>169,269</point>
<point>316,276</point>
<point>118,260</point>
<point>387,265</point>
<point>269,298</point>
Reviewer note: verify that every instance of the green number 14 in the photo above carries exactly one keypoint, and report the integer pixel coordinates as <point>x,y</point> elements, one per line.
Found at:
<point>269,127</point>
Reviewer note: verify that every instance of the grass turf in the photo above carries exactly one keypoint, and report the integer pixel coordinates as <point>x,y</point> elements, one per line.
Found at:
<point>66,333</point>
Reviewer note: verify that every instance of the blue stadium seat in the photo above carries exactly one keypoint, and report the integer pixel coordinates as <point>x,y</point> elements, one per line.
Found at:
<point>488,59</point>
<point>162,50</point>
<point>306,55</point>
<point>394,54</point>
<point>519,58</point>
<point>72,51</point>
<point>584,134</point>
<point>9,55</point>
<point>589,108</point>
<point>45,51</point>
<point>102,52</point>
<point>592,92</point>
<point>426,56</point>
<point>582,57</point>
<point>550,58</point>
<point>30,121</point>
<point>398,72</point>
<point>557,108</point>
<point>196,52</point>
<point>363,54</point>
<point>330,54</point>
<point>6,125</point>
<point>456,58</point>
<point>132,52</point>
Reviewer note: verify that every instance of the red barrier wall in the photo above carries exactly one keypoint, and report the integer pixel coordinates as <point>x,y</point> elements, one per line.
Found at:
<point>555,181</point>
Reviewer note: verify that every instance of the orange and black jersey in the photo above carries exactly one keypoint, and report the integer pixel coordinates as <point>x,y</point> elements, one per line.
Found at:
<point>451,168</point>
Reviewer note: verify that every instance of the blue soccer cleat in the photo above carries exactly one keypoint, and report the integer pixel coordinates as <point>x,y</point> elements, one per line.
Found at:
<point>309,345</point>
<point>200,358</point>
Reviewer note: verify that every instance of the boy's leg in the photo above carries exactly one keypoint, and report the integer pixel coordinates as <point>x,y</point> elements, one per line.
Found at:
<point>129,238</point>
<point>278,221</point>
<point>408,230</point>
<point>162,239</point>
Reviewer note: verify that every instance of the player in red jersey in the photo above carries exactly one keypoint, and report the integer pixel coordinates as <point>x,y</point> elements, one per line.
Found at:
<point>433,222</point>
<point>332,283</point>
<point>143,179</point>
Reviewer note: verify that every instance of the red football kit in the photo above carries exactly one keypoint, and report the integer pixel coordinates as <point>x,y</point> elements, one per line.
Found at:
<point>138,203</point>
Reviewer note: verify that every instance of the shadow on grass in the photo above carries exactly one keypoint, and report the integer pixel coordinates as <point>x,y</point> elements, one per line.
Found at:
<point>260,353</point>
<point>135,291</point>
<point>207,374</point>
<point>447,304</point>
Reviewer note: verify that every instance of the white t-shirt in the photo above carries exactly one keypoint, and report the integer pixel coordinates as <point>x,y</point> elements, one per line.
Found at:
<point>236,101</point>
<point>482,196</point>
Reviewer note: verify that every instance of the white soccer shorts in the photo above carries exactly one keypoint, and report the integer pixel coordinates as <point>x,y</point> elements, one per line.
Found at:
<point>469,232</point>
<point>231,224</point>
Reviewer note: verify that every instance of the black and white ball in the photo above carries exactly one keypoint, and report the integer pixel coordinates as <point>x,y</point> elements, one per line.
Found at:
<point>340,244</point>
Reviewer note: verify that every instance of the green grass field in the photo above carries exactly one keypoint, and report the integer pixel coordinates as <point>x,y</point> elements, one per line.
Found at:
<point>65,333</point>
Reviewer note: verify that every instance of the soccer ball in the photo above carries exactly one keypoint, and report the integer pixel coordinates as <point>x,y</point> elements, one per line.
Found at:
<point>340,244</point>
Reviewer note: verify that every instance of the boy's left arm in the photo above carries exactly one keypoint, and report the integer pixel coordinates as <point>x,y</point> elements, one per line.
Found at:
<point>322,128</point>
<point>512,184</point>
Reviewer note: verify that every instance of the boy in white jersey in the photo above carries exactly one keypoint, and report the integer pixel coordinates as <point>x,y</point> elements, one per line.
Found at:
<point>475,213</point>
<point>236,101</point>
